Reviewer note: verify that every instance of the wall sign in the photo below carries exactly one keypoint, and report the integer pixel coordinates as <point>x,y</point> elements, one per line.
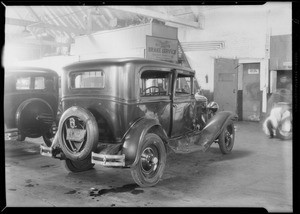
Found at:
<point>161,49</point>
<point>253,71</point>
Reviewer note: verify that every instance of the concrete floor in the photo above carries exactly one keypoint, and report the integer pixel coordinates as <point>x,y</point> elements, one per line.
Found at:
<point>258,173</point>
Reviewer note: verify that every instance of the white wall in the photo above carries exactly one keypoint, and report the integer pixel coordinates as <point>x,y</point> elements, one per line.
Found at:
<point>125,42</point>
<point>245,31</point>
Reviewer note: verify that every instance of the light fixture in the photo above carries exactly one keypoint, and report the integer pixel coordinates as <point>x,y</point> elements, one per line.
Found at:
<point>25,31</point>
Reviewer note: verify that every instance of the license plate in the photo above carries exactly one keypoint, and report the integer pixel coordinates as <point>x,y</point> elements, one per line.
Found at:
<point>75,134</point>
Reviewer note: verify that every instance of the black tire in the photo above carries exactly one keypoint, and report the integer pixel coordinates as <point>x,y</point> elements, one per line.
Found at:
<point>47,140</point>
<point>226,138</point>
<point>78,166</point>
<point>284,135</point>
<point>151,163</point>
<point>84,121</point>
<point>34,118</point>
<point>21,137</point>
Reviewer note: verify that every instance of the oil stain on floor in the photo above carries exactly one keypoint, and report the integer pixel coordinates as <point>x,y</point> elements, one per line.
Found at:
<point>126,188</point>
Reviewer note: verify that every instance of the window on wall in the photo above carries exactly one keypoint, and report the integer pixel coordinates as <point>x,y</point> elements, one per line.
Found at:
<point>155,83</point>
<point>23,83</point>
<point>183,85</point>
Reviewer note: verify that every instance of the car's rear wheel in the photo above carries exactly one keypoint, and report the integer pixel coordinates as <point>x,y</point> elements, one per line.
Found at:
<point>34,118</point>
<point>226,138</point>
<point>78,166</point>
<point>151,161</point>
<point>78,133</point>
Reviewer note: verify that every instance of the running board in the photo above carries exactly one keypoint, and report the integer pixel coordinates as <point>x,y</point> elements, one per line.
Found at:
<point>108,160</point>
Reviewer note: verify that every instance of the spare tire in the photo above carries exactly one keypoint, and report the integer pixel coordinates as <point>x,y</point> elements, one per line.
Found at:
<point>77,133</point>
<point>34,118</point>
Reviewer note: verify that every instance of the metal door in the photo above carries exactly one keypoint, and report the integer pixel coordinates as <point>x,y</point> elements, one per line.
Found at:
<point>225,84</point>
<point>251,92</point>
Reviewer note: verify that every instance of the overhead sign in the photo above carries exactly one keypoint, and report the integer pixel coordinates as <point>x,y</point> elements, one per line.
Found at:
<point>161,49</point>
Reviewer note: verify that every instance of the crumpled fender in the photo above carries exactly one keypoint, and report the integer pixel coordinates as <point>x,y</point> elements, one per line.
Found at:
<point>135,136</point>
<point>214,127</point>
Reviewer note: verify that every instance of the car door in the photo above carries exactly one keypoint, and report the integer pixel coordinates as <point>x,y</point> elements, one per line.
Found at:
<point>155,95</point>
<point>183,105</point>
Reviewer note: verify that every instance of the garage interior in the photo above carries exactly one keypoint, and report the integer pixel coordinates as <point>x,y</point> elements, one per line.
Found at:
<point>239,53</point>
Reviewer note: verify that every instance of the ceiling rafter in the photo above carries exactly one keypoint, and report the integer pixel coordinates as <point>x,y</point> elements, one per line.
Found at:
<point>21,22</point>
<point>37,42</point>
<point>78,18</point>
<point>67,18</point>
<point>61,23</point>
<point>156,15</point>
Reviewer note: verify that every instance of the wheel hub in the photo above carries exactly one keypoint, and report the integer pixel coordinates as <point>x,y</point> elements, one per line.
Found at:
<point>149,160</point>
<point>74,134</point>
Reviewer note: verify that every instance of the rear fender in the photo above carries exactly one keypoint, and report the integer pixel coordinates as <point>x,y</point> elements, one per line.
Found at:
<point>135,136</point>
<point>214,128</point>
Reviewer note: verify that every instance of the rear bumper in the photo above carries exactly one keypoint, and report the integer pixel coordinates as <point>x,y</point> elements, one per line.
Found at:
<point>108,160</point>
<point>11,134</point>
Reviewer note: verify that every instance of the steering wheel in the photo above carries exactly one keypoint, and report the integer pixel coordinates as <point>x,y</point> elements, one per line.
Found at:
<point>151,88</point>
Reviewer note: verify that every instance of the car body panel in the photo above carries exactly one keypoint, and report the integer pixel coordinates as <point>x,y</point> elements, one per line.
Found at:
<point>125,113</point>
<point>14,97</point>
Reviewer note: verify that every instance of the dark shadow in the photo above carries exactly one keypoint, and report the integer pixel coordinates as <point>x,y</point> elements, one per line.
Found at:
<point>233,155</point>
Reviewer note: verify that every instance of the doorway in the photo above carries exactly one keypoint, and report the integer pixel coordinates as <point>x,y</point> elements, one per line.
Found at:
<point>225,84</point>
<point>252,95</point>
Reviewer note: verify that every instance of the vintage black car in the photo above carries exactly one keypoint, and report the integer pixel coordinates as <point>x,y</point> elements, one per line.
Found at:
<point>30,103</point>
<point>131,113</point>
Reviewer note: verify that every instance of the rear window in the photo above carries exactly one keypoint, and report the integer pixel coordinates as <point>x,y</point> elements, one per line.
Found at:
<point>87,79</point>
<point>23,83</point>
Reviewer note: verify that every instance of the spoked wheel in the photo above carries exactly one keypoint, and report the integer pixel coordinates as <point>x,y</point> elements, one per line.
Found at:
<point>151,163</point>
<point>78,166</point>
<point>226,138</point>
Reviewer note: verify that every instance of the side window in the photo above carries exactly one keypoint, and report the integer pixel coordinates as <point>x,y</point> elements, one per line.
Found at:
<point>183,85</point>
<point>23,83</point>
<point>39,83</point>
<point>155,83</point>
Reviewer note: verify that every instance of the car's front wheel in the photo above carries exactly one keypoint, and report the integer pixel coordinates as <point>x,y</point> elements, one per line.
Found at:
<point>151,161</point>
<point>226,138</point>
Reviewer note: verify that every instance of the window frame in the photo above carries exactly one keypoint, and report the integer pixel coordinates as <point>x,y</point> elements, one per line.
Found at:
<point>191,79</point>
<point>169,75</point>
<point>71,81</point>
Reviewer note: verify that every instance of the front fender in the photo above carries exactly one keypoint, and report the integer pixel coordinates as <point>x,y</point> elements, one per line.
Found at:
<point>135,136</point>
<point>214,127</point>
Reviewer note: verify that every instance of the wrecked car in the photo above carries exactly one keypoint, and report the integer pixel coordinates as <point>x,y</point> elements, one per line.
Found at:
<point>30,103</point>
<point>131,113</point>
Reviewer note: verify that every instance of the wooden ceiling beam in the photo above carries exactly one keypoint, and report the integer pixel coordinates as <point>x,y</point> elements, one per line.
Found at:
<point>156,15</point>
<point>26,23</point>
<point>36,42</point>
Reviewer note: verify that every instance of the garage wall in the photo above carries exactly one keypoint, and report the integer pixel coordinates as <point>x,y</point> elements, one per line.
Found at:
<point>245,31</point>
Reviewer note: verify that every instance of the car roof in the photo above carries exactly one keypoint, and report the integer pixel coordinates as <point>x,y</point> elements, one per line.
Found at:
<point>123,61</point>
<point>17,69</point>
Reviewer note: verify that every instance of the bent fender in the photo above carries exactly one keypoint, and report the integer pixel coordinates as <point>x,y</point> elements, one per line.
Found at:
<point>135,136</point>
<point>214,128</point>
